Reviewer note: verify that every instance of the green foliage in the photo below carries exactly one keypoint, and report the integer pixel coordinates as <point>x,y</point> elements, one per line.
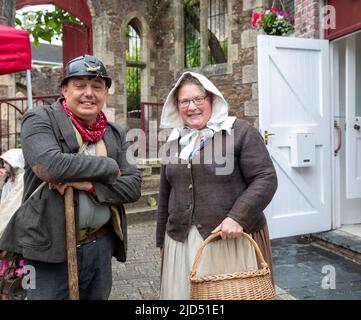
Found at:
<point>133,80</point>
<point>190,3</point>
<point>133,56</point>
<point>275,25</point>
<point>152,202</point>
<point>46,25</point>
<point>192,47</point>
<point>274,21</point>
<point>133,88</point>
<point>191,34</point>
<point>217,50</point>
<point>134,44</point>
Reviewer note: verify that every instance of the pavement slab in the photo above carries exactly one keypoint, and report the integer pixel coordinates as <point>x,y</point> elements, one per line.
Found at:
<point>308,271</point>
<point>304,270</point>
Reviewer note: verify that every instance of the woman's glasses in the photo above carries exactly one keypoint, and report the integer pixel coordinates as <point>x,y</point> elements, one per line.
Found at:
<point>185,103</point>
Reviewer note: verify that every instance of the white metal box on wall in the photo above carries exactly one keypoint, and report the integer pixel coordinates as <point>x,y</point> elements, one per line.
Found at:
<point>303,149</point>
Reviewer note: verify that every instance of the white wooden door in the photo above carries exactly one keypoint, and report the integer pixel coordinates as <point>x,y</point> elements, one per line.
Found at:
<point>353,117</point>
<point>294,98</point>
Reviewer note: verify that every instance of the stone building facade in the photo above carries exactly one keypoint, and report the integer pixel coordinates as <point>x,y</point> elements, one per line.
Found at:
<point>162,32</point>
<point>161,28</point>
<point>45,80</point>
<point>308,15</point>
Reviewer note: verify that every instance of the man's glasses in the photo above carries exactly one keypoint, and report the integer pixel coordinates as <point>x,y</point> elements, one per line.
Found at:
<point>185,103</point>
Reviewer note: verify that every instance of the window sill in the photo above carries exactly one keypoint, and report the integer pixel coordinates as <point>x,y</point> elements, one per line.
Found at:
<point>211,70</point>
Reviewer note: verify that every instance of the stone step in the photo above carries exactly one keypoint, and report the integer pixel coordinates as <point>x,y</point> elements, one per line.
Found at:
<point>156,169</point>
<point>143,201</point>
<point>148,161</point>
<point>145,171</point>
<point>148,169</point>
<point>342,242</point>
<point>151,183</point>
<point>139,215</point>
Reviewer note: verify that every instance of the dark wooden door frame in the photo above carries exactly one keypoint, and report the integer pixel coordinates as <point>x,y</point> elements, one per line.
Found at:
<point>348,18</point>
<point>78,8</point>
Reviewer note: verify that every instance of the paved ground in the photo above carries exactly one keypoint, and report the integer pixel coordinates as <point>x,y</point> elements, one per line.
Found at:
<point>138,278</point>
<point>303,270</point>
<point>308,271</point>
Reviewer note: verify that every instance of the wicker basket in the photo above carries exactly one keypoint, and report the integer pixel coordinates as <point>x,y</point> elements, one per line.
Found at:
<point>245,285</point>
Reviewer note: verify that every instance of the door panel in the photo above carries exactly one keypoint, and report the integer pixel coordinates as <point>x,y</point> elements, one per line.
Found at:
<point>294,98</point>
<point>353,118</point>
<point>76,41</point>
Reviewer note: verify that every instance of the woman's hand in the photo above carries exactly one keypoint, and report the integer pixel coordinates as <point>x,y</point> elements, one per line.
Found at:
<point>84,186</point>
<point>230,229</point>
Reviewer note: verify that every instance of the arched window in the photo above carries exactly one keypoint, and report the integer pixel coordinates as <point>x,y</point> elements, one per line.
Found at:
<point>134,67</point>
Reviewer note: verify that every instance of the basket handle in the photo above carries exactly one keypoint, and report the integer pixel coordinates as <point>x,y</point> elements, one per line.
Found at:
<point>217,234</point>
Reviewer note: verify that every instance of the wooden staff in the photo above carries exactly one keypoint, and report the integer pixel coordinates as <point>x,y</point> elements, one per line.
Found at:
<point>71,244</point>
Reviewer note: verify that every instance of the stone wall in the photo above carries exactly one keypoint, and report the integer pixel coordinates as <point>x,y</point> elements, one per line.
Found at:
<point>307,19</point>
<point>239,84</point>
<point>7,12</point>
<point>45,80</point>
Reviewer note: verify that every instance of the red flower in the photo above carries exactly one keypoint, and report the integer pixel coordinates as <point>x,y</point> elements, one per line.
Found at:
<point>255,17</point>
<point>267,21</point>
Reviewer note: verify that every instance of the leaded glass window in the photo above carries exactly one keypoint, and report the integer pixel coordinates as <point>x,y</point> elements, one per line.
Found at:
<point>217,31</point>
<point>192,39</point>
<point>133,57</point>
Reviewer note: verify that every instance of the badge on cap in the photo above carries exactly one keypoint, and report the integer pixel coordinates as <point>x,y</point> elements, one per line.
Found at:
<point>91,69</point>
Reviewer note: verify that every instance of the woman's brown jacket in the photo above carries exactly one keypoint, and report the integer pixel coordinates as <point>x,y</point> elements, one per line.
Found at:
<point>207,190</point>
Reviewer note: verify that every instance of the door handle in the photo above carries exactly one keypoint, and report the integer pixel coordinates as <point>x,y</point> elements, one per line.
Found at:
<point>356,126</point>
<point>339,135</point>
<point>266,134</point>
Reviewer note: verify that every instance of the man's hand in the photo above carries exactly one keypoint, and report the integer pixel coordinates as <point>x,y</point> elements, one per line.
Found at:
<point>229,229</point>
<point>84,186</point>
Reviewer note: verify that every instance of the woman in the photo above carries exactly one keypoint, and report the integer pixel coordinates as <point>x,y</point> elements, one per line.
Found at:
<point>216,176</point>
<point>12,173</point>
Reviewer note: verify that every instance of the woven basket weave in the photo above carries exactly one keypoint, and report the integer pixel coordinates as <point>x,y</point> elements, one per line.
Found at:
<point>245,285</point>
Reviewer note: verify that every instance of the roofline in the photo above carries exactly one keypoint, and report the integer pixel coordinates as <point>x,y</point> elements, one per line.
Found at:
<point>47,62</point>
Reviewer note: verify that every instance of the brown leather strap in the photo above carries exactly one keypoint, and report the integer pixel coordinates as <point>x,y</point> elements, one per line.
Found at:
<point>95,235</point>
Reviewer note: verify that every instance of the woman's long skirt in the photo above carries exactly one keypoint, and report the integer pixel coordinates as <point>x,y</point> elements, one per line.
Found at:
<point>222,256</point>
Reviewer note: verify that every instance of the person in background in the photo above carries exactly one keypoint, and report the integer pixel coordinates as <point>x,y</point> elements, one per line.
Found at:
<point>200,195</point>
<point>12,175</point>
<point>12,181</point>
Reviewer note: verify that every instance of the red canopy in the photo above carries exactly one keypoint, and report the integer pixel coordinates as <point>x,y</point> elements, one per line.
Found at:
<point>15,50</point>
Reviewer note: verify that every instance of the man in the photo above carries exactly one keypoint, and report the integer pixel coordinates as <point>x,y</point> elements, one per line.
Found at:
<point>101,177</point>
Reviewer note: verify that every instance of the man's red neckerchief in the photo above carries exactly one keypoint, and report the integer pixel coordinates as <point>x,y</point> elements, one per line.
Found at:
<point>92,133</point>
